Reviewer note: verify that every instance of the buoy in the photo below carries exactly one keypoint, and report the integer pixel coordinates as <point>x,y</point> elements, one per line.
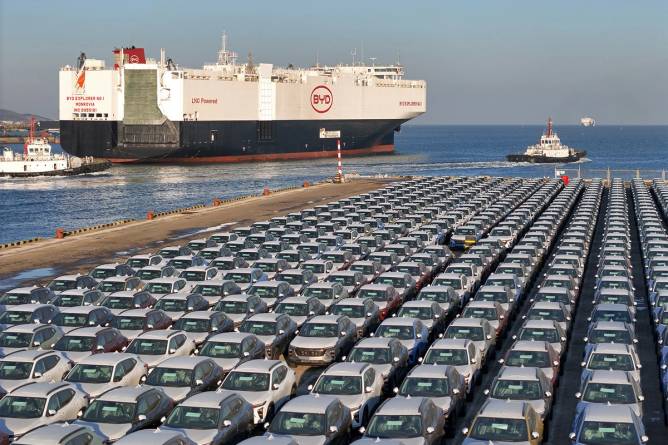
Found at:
<point>60,233</point>
<point>217,202</point>
<point>266,191</point>
<point>306,184</point>
<point>150,215</point>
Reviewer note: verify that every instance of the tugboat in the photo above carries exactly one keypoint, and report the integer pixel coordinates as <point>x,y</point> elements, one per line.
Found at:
<point>37,160</point>
<point>549,149</point>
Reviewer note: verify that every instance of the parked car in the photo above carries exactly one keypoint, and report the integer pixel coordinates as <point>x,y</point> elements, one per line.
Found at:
<point>155,346</point>
<point>97,373</point>
<point>322,340</point>
<point>231,349</point>
<point>182,377</point>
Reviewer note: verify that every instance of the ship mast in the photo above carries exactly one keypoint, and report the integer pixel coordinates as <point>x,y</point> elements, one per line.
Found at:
<point>549,126</point>
<point>31,136</point>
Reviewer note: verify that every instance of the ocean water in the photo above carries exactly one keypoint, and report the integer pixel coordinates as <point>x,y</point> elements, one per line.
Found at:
<point>34,207</point>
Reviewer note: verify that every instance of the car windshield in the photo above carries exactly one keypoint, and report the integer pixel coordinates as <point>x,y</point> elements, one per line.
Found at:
<point>499,429</point>
<point>616,362</point>
<point>319,330</point>
<point>129,323</point>
<point>379,295</point>
<point>247,381</point>
<point>608,433</point>
<point>400,332</point>
<point>539,359</point>
<point>548,335</point>
<point>553,297</point>
<point>321,293</point>
<point>107,411</point>
<point>546,314</point>
<point>15,339</point>
<point>68,300</point>
<point>376,356</point>
<point>22,407</point>
<point>621,284</point>
<point>292,278</point>
<point>220,350</point>
<point>264,291</point>
<point>352,311</point>
<point>70,320</point>
<point>169,252</point>
<point>223,264</point>
<point>192,324</point>
<point>112,286</point>
<point>503,282</point>
<point>238,277</point>
<point>75,344</point>
<point>298,424</point>
<point>137,263</point>
<point>397,282</point>
<point>412,270</point>
<point>610,336</point>
<point>191,275</point>
<point>15,370</point>
<point>384,426</point>
<point>488,313</point>
<point>15,299</point>
<point>438,297</point>
<point>454,357</point>
<point>565,284</point>
<point>172,377</point>
<point>102,273</point>
<point>605,315</point>
<point>423,313</point>
<point>258,327</point>
<point>366,269</point>
<point>209,290</point>
<point>461,270</point>
<point>454,283</point>
<point>315,268</point>
<point>609,392</point>
<point>193,417</point>
<point>296,309</point>
<point>267,266</point>
<point>61,285</point>
<point>83,373</point>
<point>117,302</point>
<point>16,317</point>
<point>338,385</point>
<point>517,389</point>
<point>501,297</point>
<point>172,305</point>
<point>159,288</point>
<point>232,307</point>
<point>425,387</point>
<point>147,346</point>
<point>471,332</point>
<point>180,264</point>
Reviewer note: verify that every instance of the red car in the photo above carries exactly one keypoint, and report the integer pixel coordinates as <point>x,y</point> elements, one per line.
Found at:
<point>385,296</point>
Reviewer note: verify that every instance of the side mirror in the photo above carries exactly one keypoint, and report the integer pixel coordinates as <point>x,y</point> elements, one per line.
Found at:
<point>333,429</point>
<point>430,430</point>
<point>51,412</point>
<point>150,326</point>
<point>395,359</point>
<point>275,386</point>
<point>474,360</point>
<point>172,351</point>
<point>265,425</point>
<point>465,431</point>
<point>571,436</point>
<point>555,363</point>
<point>281,332</point>
<point>486,392</point>
<point>343,333</point>
<point>361,430</point>
<point>548,394</point>
<point>644,439</point>
<point>141,417</point>
<point>535,435</point>
<point>99,348</point>
<point>227,423</point>
<point>37,374</point>
<point>456,391</point>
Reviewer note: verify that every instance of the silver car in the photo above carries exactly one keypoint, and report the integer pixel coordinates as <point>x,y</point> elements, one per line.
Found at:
<point>28,336</point>
<point>34,404</point>
<point>61,434</point>
<point>95,374</point>
<point>154,437</point>
<point>230,349</point>
<point>211,418</point>
<point>364,313</point>
<point>266,384</point>
<point>155,346</point>
<point>32,366</point>
<point>322,340</point>
<point>182,377</point>
<point>461,353</point>
<point>611,388</point>
<point>523,383</point>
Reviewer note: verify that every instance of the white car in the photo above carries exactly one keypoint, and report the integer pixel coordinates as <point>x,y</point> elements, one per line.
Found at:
<point>96,373</point>
<point>153,347</point>
<point>32,365</point>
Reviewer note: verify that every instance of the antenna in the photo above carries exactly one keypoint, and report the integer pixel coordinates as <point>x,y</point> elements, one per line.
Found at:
<point>317,58</point>
<point>362,45</point>
<point>353,53</point>
<point>398,57</point>
<point>373,60</point>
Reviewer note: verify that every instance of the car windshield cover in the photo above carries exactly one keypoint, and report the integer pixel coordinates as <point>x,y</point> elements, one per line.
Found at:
<point>171,377</point>
<point>460,270</point>
<point>247,381</point>
<point>15,370</point>
<point>315,268</point>
<point>118,302</point>
<point>539,359</point>
<point>376,356</point>
<point>546,314</point>
<point>70,320</point>
<point>16,317</point>
<point>172,305</point>
<point>379,295</point>
<point>11,299</point>
<point>423,313</point>
<point>623,284</point>
<point>15,339</point>
<point>193,417</point>
<point>322,293</point>
<point>454,283</point>
<point>267,266</point>
<point>83,373</point>
<point>454,357</point>
<point>517,389</point>
<point>220,350</point>
<point>108,411</point>
<point>501,297</point>
<point>499,429</point>
<point>159,288</point>
<point>471,332</point>
<point>397,282</point>
<point>209,290</point>
<point>137,263</point>
<point>548,335</point>
<point>292,278</point>
<point>352,311</point>
<point>298,424</point>
<point>338,385</point>
<point>74,343</point>
<point>438,297</point>
<point>22,407</point>
<point>264,291</point>
<point>258,327</point>
<point>610,336</point>
<point>68,300</point>
<point>238,277</point>
<point>605,315</point>
<point>488,313</point>
<point>412,270</point>
<point>385,426</point>
<point>425,387</point>
<point>319,330</point>
<point>112,286</point>
<point>400,332</point>
<point>223,264</point>
<point>232,307</point>
<point>180,264</point>
<point>147,346</point>
<point>103,273</point>
<point>616,362</point>
<point>129,323</point>
<point>192,324</point>
<point>61,285</point>
<point>609,392</point>
<point>364,268</point>
<point>608,433</point>
<point>295,309</point>
<point>249,255</point>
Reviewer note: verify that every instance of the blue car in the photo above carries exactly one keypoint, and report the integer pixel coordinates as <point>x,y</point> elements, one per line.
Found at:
<point>411,332</point>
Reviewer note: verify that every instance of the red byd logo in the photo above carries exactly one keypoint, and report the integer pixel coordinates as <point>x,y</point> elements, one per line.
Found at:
<point>134,58</point>
<point>322,99</point>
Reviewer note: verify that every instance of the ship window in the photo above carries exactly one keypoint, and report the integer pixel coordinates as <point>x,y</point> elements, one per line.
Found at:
<point>98,115</point>
<point>214,135</point>
<point>265,130</point>
<point>106,114</point>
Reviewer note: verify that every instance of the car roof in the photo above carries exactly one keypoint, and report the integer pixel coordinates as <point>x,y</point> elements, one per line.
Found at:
<point>529,345</point>
<point>346,368</point>
<point>374,342</point>
<point>596,412</point>
<point>419,303</point>
<point>26,355</point>
<point>399,321</point>
<point>78,309</point>
<point>376,286</point>
<point>232,337</point>
<point>107,358</point>
<point>259,365</point>
<point>508,409</point>
<point>183,362</point>
<point>329,319</point>
<point>137,312</point>
<point>266,316</point>
<point>451,343</point>
<point>38,389</point>
<point>611,348</point>
<point>24,328</point>
<point>158,334</point>
<point>22,290</point>
<point>351,301</point>
<point>609,376</point>
<point>52,434</point>
<point>29,307</point>
<point>401,406</point>
<point>430,371</point>
<point>309,403</point>
<point>200,315</point>
<point>518,373</point>
<point>142,437</point>
<point>467,321</point>
<point>124,393</point>
<point>87,331</point>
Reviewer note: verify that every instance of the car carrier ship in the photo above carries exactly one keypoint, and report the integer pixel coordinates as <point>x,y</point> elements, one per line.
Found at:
<point>144,110</point>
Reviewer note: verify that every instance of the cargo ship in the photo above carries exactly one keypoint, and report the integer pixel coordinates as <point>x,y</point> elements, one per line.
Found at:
<point>145,110</point>
<point>548,150</point>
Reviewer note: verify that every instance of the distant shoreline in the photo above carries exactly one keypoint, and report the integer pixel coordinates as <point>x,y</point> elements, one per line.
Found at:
<point>22,139</point>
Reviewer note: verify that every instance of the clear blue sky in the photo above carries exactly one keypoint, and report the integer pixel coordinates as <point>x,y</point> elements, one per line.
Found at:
<point>505,62</point>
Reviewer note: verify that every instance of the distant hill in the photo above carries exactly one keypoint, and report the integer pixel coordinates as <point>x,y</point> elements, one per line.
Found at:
<point>9,115</point>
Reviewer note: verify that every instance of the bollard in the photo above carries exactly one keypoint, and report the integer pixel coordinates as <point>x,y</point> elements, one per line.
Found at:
<point>150,215</point>
<point>266,191</point>
<point>217,202</point>
<point>306,184</point>
<point>60,233</point>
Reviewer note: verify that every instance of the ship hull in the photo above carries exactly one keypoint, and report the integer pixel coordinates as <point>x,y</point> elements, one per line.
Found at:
<point>576,156</point>
<point>226,141</point>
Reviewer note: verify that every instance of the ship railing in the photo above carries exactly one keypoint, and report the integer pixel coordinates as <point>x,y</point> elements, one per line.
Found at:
<point>400,83</point>
<point>607,174</point>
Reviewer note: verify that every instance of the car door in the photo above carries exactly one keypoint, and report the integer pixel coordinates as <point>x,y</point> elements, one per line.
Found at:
<point>179,345</point>
<point>46,369</point>
<point>59,406</point>
<point>284,389</point>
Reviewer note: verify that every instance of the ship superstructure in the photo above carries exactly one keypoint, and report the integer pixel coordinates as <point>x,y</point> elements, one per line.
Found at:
<point>548,149</point>
<point>153,110</point>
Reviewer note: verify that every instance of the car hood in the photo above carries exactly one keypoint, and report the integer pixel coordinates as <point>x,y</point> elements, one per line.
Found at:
<point>303,440</point>
<point>9,385</point>
<point>93,389</point>
<point>19,426</point>
<point>112,431</point>
<point>153,360</point>
<point>226,363</point>
<point>314,342</point>
<point>6,351</point>
<point>492,442</point>
<point>252,397</point>
<point>383,369</point>
<point>176,393</point>
<point>404,440</point>
<point>198,436</point>
<point>130,334</point>
<point>197,337</point>
<point>76,356</point>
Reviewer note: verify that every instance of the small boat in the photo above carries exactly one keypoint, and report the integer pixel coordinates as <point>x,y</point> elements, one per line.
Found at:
<point>548,150</point>
<point>37,160</point>
<point>588,122</point>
